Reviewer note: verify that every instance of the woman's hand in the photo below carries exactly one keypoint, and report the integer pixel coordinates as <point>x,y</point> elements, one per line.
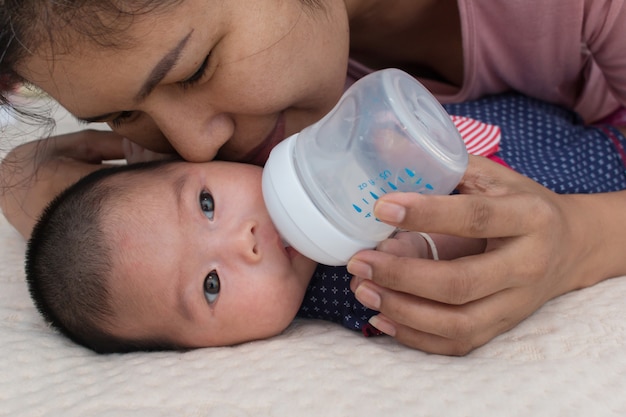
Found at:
<point>32,174</point>
<point>535,245</point>
<point>134,153</point>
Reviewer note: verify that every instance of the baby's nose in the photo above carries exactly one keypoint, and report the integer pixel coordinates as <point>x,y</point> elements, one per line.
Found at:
<point>245,243</point>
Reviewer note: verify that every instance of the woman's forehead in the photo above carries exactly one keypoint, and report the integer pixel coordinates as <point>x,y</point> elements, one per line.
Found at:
<point>59,28</point>
<point>112,66</point>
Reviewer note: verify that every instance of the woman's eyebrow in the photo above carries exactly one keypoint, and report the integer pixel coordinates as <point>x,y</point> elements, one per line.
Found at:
<point>160,70</point>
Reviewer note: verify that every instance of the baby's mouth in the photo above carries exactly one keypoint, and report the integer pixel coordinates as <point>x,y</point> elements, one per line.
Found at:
<point>291,252</point>
<point>259,154</point>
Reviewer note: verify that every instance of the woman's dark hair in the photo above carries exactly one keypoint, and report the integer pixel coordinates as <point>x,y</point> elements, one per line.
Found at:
<point>69,262</point>
<point>28,25</point>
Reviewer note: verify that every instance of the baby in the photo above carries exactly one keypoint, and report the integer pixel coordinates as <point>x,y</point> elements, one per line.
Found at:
<point>172,255</point>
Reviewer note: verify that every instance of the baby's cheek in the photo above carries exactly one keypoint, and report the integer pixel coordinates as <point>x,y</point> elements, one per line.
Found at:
<point>274,322</point>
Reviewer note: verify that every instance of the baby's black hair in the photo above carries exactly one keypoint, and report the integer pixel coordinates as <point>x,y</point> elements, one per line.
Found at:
<point>69,263</point>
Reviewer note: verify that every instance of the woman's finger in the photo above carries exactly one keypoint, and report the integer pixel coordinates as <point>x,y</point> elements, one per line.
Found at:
<point>91,146</point>
<point>501,210</point>
<point>450,329</point>
<point>405,244</point>
<point>134,153</point>
<point>452,282</point>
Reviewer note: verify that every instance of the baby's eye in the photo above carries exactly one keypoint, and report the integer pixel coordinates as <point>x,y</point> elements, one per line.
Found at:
<point>212,287</point>
<point>206,204</point>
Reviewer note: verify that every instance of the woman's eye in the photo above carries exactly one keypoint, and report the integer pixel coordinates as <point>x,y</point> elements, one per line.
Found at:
<point>121,118</point>
<point>197,76</point>
<point>212,287</point>
<point>206,204</point>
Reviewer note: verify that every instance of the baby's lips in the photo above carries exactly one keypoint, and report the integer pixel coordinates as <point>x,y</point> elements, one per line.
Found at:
<point>291,252</point>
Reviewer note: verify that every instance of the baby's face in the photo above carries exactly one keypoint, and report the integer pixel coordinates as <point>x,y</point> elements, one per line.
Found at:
<point>198,261</point>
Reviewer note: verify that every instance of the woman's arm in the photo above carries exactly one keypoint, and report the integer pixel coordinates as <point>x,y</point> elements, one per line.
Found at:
<point>604,31</point>
<point>32,174</point>
<point>539,245</point>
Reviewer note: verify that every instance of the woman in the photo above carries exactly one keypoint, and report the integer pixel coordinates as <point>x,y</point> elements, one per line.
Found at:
<point>206,79</point>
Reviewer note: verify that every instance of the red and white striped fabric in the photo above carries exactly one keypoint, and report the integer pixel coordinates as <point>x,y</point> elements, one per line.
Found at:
<point>480,138</point>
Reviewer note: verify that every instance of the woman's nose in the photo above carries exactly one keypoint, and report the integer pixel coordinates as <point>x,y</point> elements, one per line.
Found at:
<point>196,132</point>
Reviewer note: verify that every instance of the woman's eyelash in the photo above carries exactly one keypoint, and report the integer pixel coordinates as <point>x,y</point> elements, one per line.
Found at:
<point>197,76</point>
<point>121,118</point>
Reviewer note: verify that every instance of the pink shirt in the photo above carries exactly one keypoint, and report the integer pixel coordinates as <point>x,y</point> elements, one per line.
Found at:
<point>568,52</point>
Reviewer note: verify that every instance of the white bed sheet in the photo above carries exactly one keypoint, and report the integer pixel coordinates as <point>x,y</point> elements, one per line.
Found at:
<point>568,359</point>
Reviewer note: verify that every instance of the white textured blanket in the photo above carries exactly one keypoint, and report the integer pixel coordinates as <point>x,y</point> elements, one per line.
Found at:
<point>568,359</point>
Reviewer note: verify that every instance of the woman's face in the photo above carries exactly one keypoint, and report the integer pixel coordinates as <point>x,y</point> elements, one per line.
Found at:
<point>207,78</point>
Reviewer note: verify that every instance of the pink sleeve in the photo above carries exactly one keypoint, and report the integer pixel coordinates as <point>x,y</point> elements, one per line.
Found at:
<point>604,31</point>
<point>567,52</point>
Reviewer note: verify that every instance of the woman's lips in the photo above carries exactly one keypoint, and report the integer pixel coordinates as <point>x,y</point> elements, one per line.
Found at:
<point>259,155</point>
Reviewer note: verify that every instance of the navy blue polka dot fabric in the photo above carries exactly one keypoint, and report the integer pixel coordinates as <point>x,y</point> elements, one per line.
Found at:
<point>551,145</point>
<point>329,298</point>
<point>544,142</point>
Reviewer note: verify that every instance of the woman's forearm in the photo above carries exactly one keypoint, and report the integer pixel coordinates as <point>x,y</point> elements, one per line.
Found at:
<point>600,236</point>
<point>32,174</point>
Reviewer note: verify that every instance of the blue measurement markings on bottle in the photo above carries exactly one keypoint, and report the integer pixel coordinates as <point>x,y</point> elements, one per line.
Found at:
<point>372,188</point>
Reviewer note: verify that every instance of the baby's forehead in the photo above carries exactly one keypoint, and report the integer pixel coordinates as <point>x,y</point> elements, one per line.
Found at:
<point>148,204</point>
<point>129,191</point>
<point>140,198</point>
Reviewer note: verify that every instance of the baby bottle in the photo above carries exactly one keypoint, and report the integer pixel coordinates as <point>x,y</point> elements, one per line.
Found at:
<point>386,134</point>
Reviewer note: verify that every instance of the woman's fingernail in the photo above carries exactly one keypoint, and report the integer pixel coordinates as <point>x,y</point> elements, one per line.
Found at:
<point>383,325</point>
<point>389,212</point>
<point>355,282</point>
<point>359,269</point>
<point>368,297</point>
